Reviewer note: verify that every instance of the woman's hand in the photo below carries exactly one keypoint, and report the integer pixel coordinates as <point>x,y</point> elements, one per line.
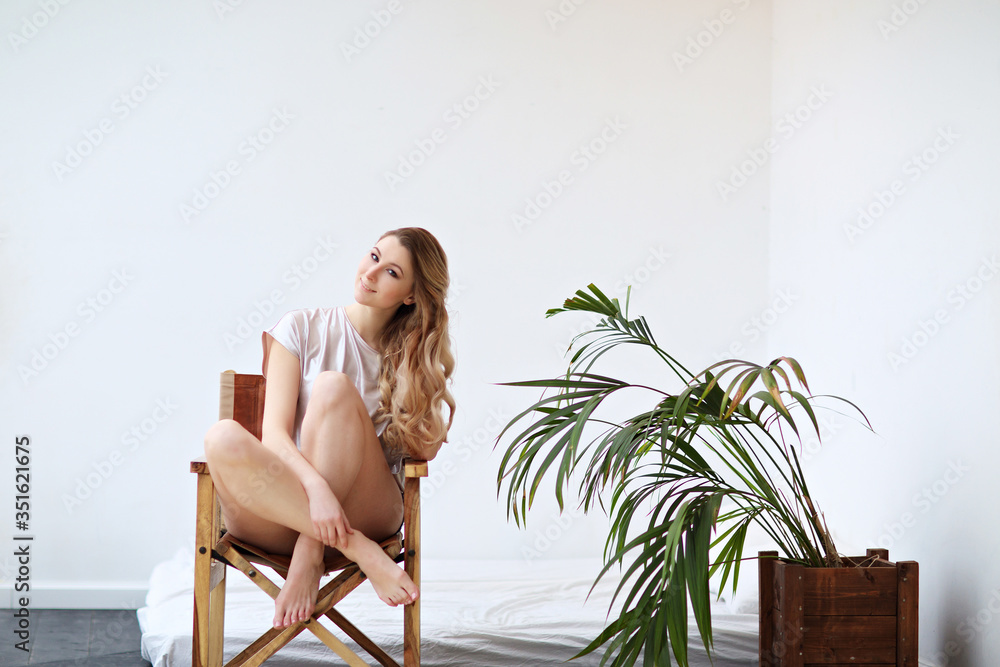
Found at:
<point>330,525</point>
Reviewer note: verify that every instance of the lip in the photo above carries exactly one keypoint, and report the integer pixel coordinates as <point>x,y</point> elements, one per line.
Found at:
<point>366,287</point>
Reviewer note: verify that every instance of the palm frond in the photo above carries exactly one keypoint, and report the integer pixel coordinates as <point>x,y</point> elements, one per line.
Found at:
<point>665,474</point>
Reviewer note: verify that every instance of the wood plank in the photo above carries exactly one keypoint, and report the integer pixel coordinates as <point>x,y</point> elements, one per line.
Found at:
<point>907,621</point>
<point>881,554</point>
<point>201,639</point>
<point>217,615</point>
<point>361,638</point>
<point>227,393</point>
<point>335,645</point>
<point>779,603</point>
<point>850,639</point>
<point>270,642</point>
<point>841,591</point>
<point>339,587</point>
<point>252,572</point>
<point>872,558</point>
<point>787,646</point>
<point>265,646</point>
<point>217,574</point>
<point>411,563</point>
<point>765,576</point>
<point>415,468</point>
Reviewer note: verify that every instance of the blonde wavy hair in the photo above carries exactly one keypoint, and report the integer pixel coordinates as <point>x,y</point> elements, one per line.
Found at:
<point>416,354</point>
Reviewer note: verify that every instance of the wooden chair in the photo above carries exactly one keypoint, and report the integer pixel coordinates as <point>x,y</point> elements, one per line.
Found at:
<point>242,399</point>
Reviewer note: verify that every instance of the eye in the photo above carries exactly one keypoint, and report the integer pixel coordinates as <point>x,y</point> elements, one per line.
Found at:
<point>392,272</point>
<point>375,258</point>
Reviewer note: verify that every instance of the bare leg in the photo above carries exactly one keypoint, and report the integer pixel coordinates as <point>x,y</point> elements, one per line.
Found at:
<point>297,599</point>
<point>264,502</point>
<point>339,440</point>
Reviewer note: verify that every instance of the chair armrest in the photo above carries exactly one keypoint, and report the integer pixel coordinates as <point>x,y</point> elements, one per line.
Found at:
<point>199,465</point>
<point>415,468</point>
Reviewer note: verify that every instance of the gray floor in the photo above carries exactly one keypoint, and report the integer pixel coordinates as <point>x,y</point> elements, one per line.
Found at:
<point>73,638</point>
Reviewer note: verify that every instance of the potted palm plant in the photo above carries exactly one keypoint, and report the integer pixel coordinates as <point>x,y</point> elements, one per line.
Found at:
<point>682,481</point>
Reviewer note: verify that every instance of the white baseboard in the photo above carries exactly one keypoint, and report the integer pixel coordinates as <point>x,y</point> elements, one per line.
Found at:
<point>83,595</point>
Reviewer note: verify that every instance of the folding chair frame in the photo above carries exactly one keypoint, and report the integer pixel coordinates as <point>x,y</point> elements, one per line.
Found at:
<point>242,399</point>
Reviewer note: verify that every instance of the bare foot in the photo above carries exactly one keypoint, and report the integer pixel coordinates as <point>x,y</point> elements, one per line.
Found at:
<point>297,599</point>
<point>390,581</point>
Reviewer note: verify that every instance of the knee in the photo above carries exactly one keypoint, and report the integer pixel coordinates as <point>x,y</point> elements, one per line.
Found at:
<point>226,439</point>
<point>332,389</point>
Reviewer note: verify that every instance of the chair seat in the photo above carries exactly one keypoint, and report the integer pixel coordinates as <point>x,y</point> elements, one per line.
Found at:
<point>392,546</point>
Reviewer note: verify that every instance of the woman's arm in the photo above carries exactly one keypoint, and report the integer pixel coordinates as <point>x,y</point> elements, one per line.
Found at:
<point>281,397</point>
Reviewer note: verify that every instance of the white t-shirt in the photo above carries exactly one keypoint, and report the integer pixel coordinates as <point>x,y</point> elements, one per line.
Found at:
<point>324,339</point>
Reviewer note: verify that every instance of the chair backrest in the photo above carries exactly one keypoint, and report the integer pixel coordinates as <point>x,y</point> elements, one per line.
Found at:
<point>241,397</point>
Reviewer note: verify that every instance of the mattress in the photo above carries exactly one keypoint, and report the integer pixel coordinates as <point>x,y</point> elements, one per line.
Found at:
<point>473,613</point>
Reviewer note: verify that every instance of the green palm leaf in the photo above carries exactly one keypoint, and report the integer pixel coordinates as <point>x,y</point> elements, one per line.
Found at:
<point>681,480</point>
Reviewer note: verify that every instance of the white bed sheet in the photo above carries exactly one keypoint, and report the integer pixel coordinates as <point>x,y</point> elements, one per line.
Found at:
<point>473,613</point>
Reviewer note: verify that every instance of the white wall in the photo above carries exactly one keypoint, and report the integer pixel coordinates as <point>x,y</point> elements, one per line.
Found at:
<point>680,119</point>
<point>881,316</point>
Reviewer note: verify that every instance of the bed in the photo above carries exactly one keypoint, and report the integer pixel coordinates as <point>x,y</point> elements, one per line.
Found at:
<point>474,613</point>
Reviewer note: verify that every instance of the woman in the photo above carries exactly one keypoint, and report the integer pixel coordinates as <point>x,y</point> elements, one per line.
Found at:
<point>350,391</point>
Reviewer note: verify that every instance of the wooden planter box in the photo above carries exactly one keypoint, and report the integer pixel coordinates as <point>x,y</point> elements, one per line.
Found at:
<point>864,615</point>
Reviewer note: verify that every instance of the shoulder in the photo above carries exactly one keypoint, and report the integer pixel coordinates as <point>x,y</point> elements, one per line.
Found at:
<point>307,318</point>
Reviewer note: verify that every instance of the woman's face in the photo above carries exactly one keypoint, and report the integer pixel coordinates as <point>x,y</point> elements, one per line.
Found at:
<point>385,276</point>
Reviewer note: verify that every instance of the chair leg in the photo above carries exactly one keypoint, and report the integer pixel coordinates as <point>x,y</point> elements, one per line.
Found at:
<point>209,580</point>
<point>411,563</point>
<point>271,641</point>
<point>217,614</point>
<point>214,553</point>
